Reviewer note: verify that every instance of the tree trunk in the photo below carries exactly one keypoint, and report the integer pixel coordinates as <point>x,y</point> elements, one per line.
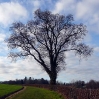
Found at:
<point>53,79</point>
<point>53,74</point>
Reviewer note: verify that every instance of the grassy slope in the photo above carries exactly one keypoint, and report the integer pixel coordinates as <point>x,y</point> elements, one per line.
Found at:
<point>37,93</point>
<point>7,89</point>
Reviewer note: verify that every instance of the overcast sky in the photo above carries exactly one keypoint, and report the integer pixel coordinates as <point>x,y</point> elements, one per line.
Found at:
<point>84,11</point>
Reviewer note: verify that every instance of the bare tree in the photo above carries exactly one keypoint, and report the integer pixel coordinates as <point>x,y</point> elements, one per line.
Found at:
<point>46,39</point>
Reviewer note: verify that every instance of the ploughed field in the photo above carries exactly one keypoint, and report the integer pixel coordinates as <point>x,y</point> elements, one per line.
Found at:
<point>6,89</point>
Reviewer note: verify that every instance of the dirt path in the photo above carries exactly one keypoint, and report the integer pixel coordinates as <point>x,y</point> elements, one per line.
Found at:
<point>12,95</point>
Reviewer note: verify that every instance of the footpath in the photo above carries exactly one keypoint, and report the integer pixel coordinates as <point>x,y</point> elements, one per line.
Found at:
<point>12,95</point>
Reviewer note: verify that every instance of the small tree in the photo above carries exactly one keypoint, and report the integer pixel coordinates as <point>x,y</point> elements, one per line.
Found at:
<point>46,39</point>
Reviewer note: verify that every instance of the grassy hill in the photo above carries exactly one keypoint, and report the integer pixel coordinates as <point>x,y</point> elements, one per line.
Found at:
<point>37,93</point>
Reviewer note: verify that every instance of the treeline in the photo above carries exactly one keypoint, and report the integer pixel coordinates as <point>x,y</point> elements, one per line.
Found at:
<point>27,81</point>
<point>92,84</point>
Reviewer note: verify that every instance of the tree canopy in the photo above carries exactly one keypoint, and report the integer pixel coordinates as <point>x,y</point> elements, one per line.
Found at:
<point>46,38</point>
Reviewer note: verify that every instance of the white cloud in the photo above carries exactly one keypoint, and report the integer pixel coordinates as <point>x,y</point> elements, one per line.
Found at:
<point>81,8</point>
<point>20,69</point>
<point>85,11</point>
<point>96,49</point>
<point>10,12</point>
<point>36,4</point>
<point>85,69</point>
<point>2,37</point>
<point>87,8</point>
<point>3,45</point>
<point>64,5</point>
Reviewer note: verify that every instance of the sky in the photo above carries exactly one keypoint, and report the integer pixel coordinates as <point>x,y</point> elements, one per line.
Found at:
<point>83,11</point>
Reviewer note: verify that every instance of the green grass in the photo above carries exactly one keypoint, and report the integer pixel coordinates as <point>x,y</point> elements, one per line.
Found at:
<point>37,93</point>
<point>7,89</point>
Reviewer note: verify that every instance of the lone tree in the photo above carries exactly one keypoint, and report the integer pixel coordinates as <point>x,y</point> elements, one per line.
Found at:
<point>46,38</point>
